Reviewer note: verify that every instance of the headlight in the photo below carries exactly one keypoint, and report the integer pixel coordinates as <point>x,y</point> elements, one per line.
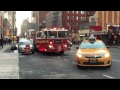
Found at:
<point>51,46</point>
<point>79,54</point>
<point>65,45</point>
<point>107,55</point>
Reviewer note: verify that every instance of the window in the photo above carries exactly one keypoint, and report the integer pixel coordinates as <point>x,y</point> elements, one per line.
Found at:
<point>76,12</point>
<point>68,24</point>
<point>73,24</point>
<point>82,18</point>
<point>77,24</point>
<point>76,17</point>
<point>52,34</point>
<point>72,17</point>
<point>83,12</point>
<point>73,12</point>
<point>92,45</point>
<point>62,34</point>
<point>67,17</point>
<point>38,34</point>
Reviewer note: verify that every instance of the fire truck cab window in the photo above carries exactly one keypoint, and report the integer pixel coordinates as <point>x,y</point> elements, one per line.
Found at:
<point>62,34</point>
<point>52,34</point>
<point>39,34</point>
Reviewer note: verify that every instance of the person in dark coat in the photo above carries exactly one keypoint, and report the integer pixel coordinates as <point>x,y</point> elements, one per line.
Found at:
<point>2,42</point>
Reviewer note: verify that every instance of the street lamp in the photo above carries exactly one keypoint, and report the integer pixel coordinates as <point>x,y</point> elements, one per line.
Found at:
<point>70,28</point>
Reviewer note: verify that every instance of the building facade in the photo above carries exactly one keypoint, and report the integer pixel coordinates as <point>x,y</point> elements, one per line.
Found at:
<point>110,22</point>
<point>24,27</point>
<point>107,18</point>
<point>52,19</point>
<point>73,20</point>
<point>39,18</point>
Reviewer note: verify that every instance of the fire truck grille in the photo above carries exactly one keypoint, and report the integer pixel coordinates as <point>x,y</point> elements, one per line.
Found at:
<point>57,41</point>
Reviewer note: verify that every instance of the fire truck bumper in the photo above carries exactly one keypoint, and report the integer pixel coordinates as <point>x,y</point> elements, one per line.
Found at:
<point>57,50</point>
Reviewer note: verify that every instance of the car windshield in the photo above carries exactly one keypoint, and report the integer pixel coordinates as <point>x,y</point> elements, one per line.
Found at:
<point>62,34</point>
<point>52,34</point>
<point>25,43</point>
<point>88,45</point>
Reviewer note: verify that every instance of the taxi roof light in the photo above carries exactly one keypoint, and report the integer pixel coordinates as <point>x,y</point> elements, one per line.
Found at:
<point>92,38</point>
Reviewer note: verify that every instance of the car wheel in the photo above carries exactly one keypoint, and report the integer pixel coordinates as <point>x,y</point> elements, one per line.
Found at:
<point>33,52</point>
<point>108,66</point>
<point>62,52</point>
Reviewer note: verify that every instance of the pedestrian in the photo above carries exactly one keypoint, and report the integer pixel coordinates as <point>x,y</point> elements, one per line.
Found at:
<point>2,43</point>
<point>114,42</point>
<point>9,40</point>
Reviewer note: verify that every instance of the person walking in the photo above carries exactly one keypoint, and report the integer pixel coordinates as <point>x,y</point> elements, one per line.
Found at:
<point>2,43</point>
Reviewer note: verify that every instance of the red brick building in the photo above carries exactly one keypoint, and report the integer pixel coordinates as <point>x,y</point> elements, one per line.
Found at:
<point>110,21</point>
<point>42,18</point>
<point>73,19</point>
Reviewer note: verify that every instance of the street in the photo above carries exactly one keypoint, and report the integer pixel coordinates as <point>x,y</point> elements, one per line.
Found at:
<point>55,66</point>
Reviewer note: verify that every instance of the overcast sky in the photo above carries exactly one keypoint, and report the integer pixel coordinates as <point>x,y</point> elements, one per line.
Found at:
<point>20,16</point>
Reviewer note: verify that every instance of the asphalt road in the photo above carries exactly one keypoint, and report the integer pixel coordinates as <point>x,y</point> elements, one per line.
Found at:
<point>55,66</point>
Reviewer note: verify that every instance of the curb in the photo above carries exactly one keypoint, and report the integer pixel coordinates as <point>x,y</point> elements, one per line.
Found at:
<point>3,49</point>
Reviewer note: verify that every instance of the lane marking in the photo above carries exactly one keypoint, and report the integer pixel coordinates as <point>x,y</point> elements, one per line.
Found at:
<point>22,56</point>
<point>115,60</point>
<point>74,63</point>
<point>59,57</point>
<point>115,53</point>
<point>65,59</point>
<point>107,76</point>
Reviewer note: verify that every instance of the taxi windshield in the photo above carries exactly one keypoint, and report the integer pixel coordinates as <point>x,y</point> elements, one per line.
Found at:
<point>88,45</point>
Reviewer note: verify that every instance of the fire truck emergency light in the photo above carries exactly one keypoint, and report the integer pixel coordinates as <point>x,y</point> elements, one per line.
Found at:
<point>63,29</point>
<point>54,28</point>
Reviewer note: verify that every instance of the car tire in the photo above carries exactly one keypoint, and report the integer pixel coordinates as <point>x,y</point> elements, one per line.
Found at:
<point>108,66</point>
<point>61,52</point>
<point>33,52</point>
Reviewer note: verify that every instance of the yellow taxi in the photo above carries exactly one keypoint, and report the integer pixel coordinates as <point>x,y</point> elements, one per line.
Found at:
<point>93,52</point>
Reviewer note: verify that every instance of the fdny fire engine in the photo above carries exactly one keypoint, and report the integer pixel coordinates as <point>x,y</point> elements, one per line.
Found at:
<point>52,40</point>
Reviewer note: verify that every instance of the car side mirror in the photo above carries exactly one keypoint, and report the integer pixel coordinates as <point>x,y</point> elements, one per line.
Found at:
<point>77,47</point>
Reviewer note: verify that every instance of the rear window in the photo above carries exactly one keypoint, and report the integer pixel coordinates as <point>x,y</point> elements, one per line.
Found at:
<point>24,43</point>
<point>98,44</point>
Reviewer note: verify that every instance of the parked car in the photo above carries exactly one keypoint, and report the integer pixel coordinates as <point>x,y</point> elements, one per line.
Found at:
<point>22,45</point>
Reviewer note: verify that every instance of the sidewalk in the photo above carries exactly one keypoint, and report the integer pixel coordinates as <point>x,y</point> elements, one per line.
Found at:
<point>4,48</point>
<point>9,67</point>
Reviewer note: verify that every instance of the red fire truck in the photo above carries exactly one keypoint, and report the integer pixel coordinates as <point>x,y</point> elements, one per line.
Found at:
<point>52,40</point>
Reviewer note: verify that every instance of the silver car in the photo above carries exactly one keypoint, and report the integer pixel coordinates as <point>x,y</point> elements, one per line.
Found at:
<point>22,45</point>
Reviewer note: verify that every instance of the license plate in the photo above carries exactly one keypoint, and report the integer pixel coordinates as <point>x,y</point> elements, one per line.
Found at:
<point>93,60</point>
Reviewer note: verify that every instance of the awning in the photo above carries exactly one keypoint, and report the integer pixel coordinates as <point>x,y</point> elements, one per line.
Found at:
<point>96,28</point>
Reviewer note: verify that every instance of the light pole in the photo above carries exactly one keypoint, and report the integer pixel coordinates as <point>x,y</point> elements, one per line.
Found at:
<point>13,45</point>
